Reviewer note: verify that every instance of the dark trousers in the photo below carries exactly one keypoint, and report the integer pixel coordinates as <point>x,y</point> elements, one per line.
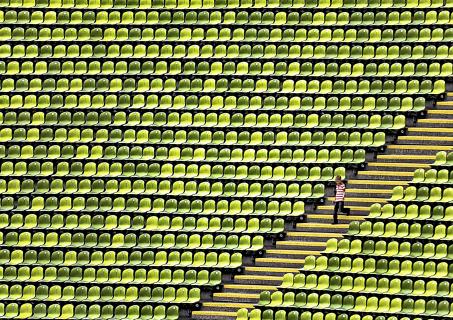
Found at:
<point>339,206</point>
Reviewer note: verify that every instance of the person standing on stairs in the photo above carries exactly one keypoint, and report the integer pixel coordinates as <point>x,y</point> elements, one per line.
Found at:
<point>340,192</point>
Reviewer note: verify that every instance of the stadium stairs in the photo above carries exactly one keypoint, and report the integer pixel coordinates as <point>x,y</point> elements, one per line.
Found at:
<point>415,148</point>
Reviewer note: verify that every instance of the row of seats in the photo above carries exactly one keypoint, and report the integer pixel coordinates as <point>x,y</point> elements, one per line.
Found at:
<point>422,194</point>
<point>75,275</point>
<point>203,225</point>
<point>223,85</point>
<point>301,300</point>
<point>156,205</point>
<point>388,266</point>
<point>394,248</point>
<point>433,176</point>
<point>94,258</point>
<point>309,315</point>
<point>155,170</point>
<point>187,119</point>
<point>232,51</point>
<point>323,35</point>
<point>196,4</point>
<point>203,155</point>
<point>319,69</point>
<point>315,315</point>
<point>79,240</point>
<point>162,188</point>
<point>195,137</point>
<point>351,304</point>
<point>422,212</point>
<point>226,103</point>
<point>373,285</point>
<point>248,208</point>
<point>391,230</point>
<point>105,293</point>
<point>148,223</point>
<point>225,17</point>
<point>26,310</point>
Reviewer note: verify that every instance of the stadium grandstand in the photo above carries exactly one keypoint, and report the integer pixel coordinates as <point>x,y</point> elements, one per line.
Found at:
<point>178,159</point>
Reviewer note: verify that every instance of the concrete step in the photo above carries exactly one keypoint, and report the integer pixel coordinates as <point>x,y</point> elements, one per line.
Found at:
<point>326,216</point>
<point>247,288</point>
<point>405,148</point>
<point>293,244</point>
<point>441,111</point>
<point>445,104</point>
<point>327,210</point>
<point>421,139</point>
<point>363,205</point>
<point>274,262</point>
<point>375,184</point>
<point>396,166</point>
<point>358,200</point>
<point>406,158</point>
<point>376,191</point>
<point>270,270</point>
<point>431,131</point>
<point>213,315</point>
<point>384,175</point>
<point>305,236</point>
<point>322,227</point>
<point>292,253</point>
<point>236,297</point>
<point>435,122</point>
<point>368,193</point>
<point>258,279</point>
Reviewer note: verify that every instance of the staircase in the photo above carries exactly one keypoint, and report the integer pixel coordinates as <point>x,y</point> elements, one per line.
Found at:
<point>393,167</point>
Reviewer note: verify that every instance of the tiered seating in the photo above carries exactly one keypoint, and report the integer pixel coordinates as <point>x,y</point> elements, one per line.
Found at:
<point>148,147</point>
<point>231,17</point>
<point>396,264</point>
<point>430,185</point>
<point>440,175</point>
